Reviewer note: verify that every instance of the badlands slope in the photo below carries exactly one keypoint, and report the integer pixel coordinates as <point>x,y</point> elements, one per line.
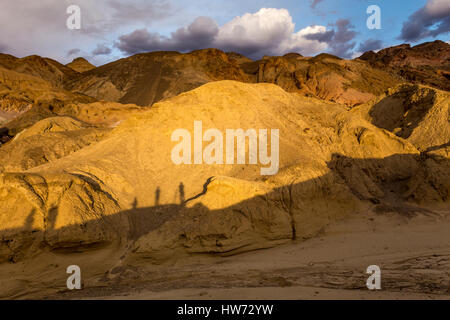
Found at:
<point>427,63</point>
<point>147,78</point>
<point>124,186</point>
<point>363,177</point>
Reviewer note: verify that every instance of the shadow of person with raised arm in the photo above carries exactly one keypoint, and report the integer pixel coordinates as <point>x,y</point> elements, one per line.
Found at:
<point>134,203</point>
<point>30,220</point>
<point>51,218</point>
<point>182,194</point>
<point>157,196</point>
<point>390,186</point>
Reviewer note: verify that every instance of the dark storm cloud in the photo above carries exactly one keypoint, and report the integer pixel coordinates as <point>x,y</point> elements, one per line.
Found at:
<point>314,3</point>
<point>342,43</point>
<point>102,49</point>
<point>370,45</point>
<point>269,31</point>
<point>199,34</point>
<point>429,21</point>
<point>339,39</point>
<point>72,52</point>
<point>322,37</point>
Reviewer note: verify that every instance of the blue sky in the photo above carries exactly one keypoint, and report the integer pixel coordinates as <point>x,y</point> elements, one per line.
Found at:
<point>111,29</point>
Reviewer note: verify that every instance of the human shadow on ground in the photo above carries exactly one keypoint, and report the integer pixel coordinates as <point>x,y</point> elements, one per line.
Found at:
<point>283,214</point>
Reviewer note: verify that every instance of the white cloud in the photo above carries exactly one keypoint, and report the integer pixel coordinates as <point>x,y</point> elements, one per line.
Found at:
<point>266,32</point>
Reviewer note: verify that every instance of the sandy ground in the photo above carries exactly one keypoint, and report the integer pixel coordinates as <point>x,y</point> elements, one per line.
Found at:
<point>412,252</point>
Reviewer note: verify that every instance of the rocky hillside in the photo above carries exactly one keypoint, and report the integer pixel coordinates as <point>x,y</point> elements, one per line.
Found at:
<point>96,187</point>
<point>44,68</point>
<point>147,78</point>
<point>325,76</point>
<point>90,170</point>
<point>85,162</point>
<point>416,113</point>
<point>80,65</point>
<point>427,63</point>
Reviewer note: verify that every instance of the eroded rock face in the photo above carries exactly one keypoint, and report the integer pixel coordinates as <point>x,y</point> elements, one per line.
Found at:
<point>416,113</point>
<point>46,141</point>
<point>427,63</point>
<point>125,187</point>
<point>324,76</point>
<point>44,68</point>
<point>26,99</point>
<point>145,79</point>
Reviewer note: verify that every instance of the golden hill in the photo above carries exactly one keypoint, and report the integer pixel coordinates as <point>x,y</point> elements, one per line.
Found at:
<point>44,68</point>
<point>80,65</point>
<point>122,185</point>
<point>416,113</point>
<point>92,170</point>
